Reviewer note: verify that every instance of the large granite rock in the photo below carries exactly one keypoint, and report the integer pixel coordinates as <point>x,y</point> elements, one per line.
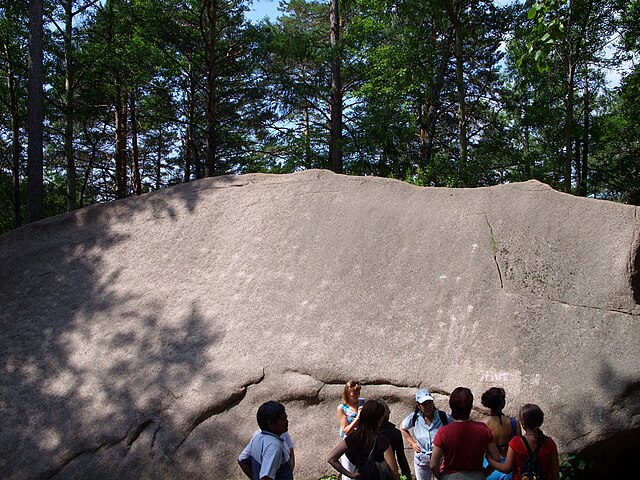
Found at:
<point>139,337</point>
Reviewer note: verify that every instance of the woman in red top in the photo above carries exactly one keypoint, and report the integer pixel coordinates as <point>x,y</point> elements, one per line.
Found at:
<point>531,418</point>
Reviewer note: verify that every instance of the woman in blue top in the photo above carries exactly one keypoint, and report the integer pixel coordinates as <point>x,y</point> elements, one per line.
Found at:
<point>425,421</point>
<point>349,416</point>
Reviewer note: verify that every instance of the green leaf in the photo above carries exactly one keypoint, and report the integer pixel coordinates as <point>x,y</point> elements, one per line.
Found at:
<point>533,11</point>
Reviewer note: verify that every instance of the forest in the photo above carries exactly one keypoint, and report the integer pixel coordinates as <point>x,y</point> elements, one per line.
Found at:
<point>106,99</point>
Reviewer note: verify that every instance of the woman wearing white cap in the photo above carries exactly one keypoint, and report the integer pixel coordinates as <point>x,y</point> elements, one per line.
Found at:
<point>425,422</point>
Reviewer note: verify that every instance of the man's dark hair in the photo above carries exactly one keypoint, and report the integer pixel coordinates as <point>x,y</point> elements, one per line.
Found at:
<point>269,412</point>
<point>461,402</point>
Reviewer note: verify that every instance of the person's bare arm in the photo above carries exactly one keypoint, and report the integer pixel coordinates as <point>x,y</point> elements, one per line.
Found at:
<point>410,440</point>
<point>493,451</point>
<point>344,423</point>
<point>334,460</point>
<point>292,457</point>
<point>390,458</point>
<point>434,463</point>
<point>246,469</point>
<point>508,464</point>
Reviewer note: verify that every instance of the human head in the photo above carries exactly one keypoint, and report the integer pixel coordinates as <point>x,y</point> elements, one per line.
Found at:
<point>531,416</point>
<point>424,401</point>
<point>460,402</point>
<point>272,416</point>
<point>423,395</point>
<point>371,415</point>
<point>387,410</point>
<point>351,387</point>
<point>494,398</point>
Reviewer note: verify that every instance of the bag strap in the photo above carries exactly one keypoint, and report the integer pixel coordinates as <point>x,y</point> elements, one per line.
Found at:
<point>443,417</point>
<point>371,453</point>
<point>538,447</point>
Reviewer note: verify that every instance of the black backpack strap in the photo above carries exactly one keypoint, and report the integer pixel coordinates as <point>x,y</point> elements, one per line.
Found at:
<point>538,447</point>
<point>415,417</point>
<point>443,417</point>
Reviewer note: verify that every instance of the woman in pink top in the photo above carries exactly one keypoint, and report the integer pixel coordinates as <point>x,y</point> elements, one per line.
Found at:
<point>531,418</point>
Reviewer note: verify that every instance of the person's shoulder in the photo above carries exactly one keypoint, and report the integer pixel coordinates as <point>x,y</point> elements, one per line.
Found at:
<point>441,413</point>
<point>390,431</point>
<point>480,425</point>
<point>550,444</point>
<point>488,420</point>
<point>406,423</point>
<point>446,429</point>
<point>383,441</point>
<point>287,440</point>
<point>516,444</point>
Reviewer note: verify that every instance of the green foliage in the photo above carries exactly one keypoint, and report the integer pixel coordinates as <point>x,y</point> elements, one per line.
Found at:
<point>548,29</point>
<point>616,156</point>
<point>574,468</point>
<point>269,87</point>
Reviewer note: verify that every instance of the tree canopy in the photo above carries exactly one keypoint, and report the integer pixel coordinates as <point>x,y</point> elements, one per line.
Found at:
<point>140,95</point>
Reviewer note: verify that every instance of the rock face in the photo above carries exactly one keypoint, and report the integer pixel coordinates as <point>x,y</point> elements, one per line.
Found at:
<point>139,337</point>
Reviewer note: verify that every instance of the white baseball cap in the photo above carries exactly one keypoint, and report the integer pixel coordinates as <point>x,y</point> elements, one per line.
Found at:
<point>423,395</point>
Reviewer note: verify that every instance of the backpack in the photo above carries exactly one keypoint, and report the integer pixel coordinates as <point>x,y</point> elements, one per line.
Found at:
<point>372,470</point>
<point>441,414</point>
<point>530,469</point>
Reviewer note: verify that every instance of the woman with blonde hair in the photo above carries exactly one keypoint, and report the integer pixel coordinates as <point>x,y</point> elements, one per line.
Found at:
<point>349,416</point>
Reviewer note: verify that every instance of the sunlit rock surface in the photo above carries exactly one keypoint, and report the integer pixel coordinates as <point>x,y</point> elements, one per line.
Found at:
<point>139,337</point>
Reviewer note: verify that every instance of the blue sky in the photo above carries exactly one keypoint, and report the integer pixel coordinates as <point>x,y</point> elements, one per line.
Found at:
<point>263,8</point>
<point>269,8</point>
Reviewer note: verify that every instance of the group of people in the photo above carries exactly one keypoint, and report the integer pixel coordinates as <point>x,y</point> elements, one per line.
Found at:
<point>446,446</point>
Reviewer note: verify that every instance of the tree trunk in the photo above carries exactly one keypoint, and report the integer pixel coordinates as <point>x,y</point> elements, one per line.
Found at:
<point>121,140</point>
<point>432,108</point>
<point>159,162</point>
<point>527,156</point>
<point>69,112</point>
<point>568,132</point>
<point>35,185</point>
<point>15,142</point>
<point>454,12</point>
<point>137,182</point>
<point>462,106</point>
<point>212,141</point>
<point>335,128</point>
<point>582,187</point>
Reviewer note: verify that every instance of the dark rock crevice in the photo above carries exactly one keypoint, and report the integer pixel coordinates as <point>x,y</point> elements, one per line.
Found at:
<point>635,272</point>
<point>218,408</point>
<point>494,249</point>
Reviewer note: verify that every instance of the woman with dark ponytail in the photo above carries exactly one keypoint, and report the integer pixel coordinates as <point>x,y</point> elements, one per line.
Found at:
<point>366,441</point>
<point>531,418</point>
